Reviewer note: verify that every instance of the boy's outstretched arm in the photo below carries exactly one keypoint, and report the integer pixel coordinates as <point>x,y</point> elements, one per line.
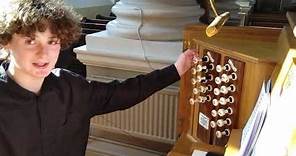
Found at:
<point>184,61</point>
<point>101,97</point>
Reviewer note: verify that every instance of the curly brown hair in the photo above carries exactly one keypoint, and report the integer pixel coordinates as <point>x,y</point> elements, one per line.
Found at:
<point>28,16</point>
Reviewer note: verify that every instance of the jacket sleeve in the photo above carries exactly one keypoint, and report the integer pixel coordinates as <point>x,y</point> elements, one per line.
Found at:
<point>115,95</point>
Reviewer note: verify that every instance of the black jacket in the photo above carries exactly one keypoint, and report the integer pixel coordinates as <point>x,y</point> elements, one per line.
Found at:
<point>56,122</point>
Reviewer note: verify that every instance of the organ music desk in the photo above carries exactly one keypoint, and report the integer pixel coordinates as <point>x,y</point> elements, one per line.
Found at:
<point>218,94</point>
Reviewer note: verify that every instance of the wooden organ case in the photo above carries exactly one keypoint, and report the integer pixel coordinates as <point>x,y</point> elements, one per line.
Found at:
<point>218,94</point>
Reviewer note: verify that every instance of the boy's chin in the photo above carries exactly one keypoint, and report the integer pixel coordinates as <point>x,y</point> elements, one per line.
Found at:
<point>41,74</point>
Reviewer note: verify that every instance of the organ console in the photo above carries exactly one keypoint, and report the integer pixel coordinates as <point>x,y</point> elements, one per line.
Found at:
<point>218,95</point>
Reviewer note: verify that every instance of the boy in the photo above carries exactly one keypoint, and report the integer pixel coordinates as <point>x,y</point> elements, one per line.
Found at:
<point>46,111</point>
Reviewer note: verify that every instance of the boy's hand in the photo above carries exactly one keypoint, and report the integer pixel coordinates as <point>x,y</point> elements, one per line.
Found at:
<point>184,61</point>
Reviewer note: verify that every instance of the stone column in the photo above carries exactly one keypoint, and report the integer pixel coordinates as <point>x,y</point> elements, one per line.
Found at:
<point>147,31</point>
<point>153,19</point>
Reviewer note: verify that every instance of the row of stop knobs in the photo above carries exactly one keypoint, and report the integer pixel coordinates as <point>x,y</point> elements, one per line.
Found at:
<point>217,91</point>
<point>218,80</point>
<point>222,90</point>
<point>204,79</point>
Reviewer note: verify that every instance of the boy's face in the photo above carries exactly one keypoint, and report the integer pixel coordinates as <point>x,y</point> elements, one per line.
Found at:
<point>34,56</point>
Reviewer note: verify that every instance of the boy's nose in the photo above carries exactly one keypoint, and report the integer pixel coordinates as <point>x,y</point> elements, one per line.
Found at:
<point>42,50</point>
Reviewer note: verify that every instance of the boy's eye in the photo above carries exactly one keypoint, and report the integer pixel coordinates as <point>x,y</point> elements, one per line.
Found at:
<point>30,41</point>
<point>54,42</point>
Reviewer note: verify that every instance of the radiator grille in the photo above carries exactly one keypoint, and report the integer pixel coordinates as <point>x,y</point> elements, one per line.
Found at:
<point>155,118</point>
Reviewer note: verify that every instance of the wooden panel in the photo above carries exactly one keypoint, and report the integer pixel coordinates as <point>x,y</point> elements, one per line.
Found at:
<point>233,143</point>
<point>205,88</point>
<point>234,92</point>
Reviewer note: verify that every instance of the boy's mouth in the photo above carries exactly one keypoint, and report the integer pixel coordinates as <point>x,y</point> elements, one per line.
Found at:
<point>40,65</point>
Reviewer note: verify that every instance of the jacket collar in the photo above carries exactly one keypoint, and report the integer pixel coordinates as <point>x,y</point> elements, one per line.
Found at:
<point>12,86</point>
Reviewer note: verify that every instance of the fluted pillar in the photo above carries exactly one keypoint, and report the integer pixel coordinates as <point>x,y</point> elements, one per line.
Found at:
<point>153,19</point>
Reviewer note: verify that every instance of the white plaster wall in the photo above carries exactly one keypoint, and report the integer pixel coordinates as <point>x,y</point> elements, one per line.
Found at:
<point>88,3</point>
<point>90,8</point>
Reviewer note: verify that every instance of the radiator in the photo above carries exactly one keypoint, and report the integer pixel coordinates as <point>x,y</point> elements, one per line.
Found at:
<point>154,119</point>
